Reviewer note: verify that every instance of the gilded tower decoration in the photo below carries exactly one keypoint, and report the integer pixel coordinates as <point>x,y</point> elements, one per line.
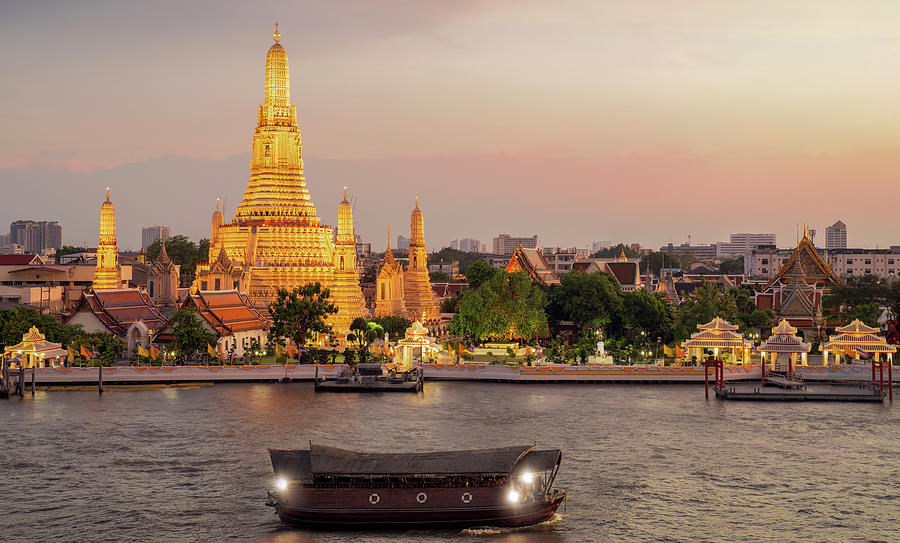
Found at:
<point>407,293</point>
<point>108,274</point>
<point>275,238</point>
<point>389,286</point>
<point>164,282</point>
<point>345,291</point>
<point>420,298</point>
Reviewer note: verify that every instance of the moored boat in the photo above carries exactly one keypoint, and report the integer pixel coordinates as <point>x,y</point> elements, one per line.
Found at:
<point>371,378</point>
<point>327,487</point>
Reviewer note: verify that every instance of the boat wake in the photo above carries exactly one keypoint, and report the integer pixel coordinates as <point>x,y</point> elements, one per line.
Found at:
<point>489,531</point>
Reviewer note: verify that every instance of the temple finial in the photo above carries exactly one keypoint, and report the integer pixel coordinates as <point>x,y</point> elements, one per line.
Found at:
<point>345,193</point>
<point>107,194</point>
<point>389,237</point>
<point>217,204</point>
<point>277,34</point>
<point>417,202</point>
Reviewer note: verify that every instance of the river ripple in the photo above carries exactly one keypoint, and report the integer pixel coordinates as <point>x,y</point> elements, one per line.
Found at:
<point>640,462</point>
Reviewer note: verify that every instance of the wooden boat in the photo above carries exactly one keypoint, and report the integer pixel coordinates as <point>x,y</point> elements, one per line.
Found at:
<point>327,487</point>
<point>371,378</point>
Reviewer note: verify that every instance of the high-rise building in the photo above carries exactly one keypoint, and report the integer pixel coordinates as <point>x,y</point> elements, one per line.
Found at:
<point>275,239</point>
<point>836,236</point>
<point>743,242</point>
<point>107,276</point>
<point>151,234</point>
<point>504,244</point>
<point>402,242</point>
<point>468,245</point>
<point>36,236</point>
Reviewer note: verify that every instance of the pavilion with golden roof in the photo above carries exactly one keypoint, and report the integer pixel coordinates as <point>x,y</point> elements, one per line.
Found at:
<point>720,336</point>
<point>856,338</point>
<point>276,240</point>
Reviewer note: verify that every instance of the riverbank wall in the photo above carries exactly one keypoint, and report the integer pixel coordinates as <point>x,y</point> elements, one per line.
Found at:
<point>128,375</point>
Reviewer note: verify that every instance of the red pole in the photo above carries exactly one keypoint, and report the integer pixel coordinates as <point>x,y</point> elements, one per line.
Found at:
<point>890,380</point>
<point>881,371</point>
<point>873,372</point>
<point>762,363</point>
<point>706,377</point>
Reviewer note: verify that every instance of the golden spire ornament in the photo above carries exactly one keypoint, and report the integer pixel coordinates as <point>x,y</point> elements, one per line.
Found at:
<point>277,34</point>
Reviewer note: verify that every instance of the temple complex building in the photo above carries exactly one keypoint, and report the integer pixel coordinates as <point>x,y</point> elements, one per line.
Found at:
<point>532,261</point>
<point>795,292</point>
<point>107,275</point>
<point>275,239</point>
<point>407,293</point>
<point>163,283</point>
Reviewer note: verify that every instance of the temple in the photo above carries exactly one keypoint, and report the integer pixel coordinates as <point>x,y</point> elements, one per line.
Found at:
<point>107,275</point>
<point>163,283</point>
<point>275,239</point>
<point>532,262</point>
<point>407,293</point>
<point>795,293</point>
<point>345,291</point>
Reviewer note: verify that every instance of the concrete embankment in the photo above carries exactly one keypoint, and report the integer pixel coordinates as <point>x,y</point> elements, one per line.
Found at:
<point>434,372</point>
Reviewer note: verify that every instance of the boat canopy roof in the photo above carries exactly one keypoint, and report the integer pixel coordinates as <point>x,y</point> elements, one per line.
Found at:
<point>322,460</point>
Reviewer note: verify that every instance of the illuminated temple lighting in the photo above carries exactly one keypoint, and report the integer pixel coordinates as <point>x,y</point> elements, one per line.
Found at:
<point>108,275</point>
<point>275,239</point>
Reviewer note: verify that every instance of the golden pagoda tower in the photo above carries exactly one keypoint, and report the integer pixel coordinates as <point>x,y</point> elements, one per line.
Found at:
<point>345,291</point>
<point>217,221</point>
<point>108,274</point>
<point>389,286</point>
<point>275,238</point>
<point>418,295</point>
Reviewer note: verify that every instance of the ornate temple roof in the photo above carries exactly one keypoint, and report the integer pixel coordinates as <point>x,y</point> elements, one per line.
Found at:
<point>717,333</point>
<point>813,266</point>
<point>718,324</point>
<point>226,311</point>
<point>532,262</point>
<point>35,343</point>
<point>784,340</point>
<point>857,327</point>
<point>120,308</point>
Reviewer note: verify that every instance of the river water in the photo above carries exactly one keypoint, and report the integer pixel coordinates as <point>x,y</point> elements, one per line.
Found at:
<point>640,462</point>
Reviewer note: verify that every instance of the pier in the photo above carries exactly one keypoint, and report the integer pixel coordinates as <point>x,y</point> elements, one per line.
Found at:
<point>816,392</point>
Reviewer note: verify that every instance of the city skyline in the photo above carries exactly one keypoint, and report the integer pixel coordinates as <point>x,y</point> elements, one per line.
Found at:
<point>623,123</point>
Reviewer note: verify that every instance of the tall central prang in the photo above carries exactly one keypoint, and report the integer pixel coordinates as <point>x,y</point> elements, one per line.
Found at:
<point>275,239</point>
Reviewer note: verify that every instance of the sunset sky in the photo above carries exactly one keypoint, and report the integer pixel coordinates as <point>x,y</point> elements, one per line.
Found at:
<point>577,121</point>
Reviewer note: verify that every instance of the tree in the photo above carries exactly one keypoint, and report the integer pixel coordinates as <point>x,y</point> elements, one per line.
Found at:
<point>438,276</point>
<point>108,345</point>
<point>479,273</point>
<point>190,334</point>
<point>859,298</point>
<point>589,300</point>
<point>702,305</point>
<point>364,333</point>
<point>466,260</point>
<point>68,250</point>
<point>504,306</point>
<point>182,252</point>
<point>394,326</point>
<point>14,323</point>
<point>613,252</point>
<point>645,311</point>
<point>300,314</point>
<point>732,266</point>
<point>369,274</point>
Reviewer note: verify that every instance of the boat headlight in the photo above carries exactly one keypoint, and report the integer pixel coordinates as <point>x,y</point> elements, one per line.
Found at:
<point>513,496</point>
<point>281,483</point>
<point>528,477</point>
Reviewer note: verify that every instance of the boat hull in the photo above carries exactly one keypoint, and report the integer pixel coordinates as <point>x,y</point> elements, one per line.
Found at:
<point>458,516</point>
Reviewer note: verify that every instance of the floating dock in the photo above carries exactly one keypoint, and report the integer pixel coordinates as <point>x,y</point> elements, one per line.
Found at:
<point>811,392</point>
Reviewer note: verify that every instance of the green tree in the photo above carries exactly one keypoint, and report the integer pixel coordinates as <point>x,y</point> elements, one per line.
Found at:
<point>191,336</point>
<point>437,277</point>
<point>702,305</point>
<point>300,314</point>
<point>589,300</point>
<point>446,255</point>
<point>613,252</point>
<point>479,273</point>
<point>68,250</point>
<point>858,298</point>
<point>732,266</point>
<point>364,333</point>
<point>108,345</point>
<point>184,253</point>
<point>14,323</point>
<point>369,274</point>
<point>394,326</point>
<point>645,311</point>
<point>504,306</point>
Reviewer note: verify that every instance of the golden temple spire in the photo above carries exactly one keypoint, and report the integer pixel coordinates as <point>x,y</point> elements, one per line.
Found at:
<point>107,194</point>
<point>345,193</point>
<point>417,201</point>
<point>217,204</point>
<point>277,34</point>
